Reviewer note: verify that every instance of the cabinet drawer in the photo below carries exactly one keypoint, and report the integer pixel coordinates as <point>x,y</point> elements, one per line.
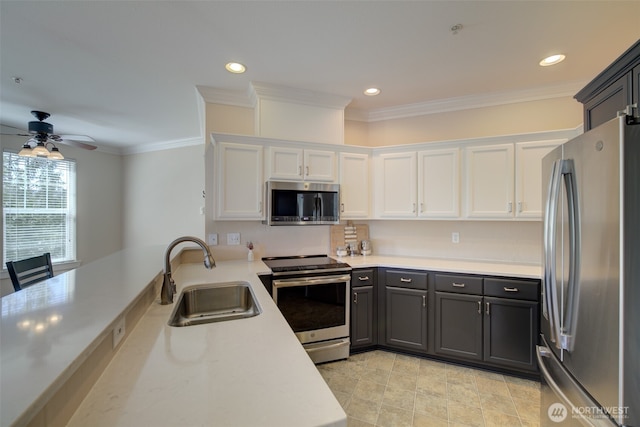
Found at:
<point>459,284</point>
<point>510,288</point>
<point>362,277</point>
<point>406,279</point>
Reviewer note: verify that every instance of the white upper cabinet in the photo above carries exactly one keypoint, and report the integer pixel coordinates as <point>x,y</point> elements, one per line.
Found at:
<point>239,183</point>
<point>354,185</point>
<point>529,185</point>
<point>489,183</point>
<point>505,180</point>
<point>395,185</point>
<point>439,183</point>
<point>297,164</point>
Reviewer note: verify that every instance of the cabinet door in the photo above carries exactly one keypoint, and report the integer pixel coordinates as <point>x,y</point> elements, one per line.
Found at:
<point>396,185</point>
<point>529,176</point>
<point>439,183</point>
<point>510,332</point>
<point>406,318</point>
<point>285,163</point>
<point>459,325</point>
<point>489,181</point>
<point>362,332</point>
<point>635,75</point>
<point>606,104</point>
<point>354,185</point>
<point>240,182</point>
<point>319,165</point>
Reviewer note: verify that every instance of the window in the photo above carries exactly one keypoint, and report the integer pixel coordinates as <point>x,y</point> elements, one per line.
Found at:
<point>39,207</point>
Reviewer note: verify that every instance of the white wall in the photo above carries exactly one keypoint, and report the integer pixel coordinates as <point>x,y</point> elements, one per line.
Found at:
<point>163,196</point>
<point>99,202</point>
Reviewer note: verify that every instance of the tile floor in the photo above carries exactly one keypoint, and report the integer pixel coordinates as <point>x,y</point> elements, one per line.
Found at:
<point>385,389</point>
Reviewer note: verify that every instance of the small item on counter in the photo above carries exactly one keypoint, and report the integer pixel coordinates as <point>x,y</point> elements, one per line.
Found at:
<point>341,251</point>
<point>365,247</point>
<point>250,254</point>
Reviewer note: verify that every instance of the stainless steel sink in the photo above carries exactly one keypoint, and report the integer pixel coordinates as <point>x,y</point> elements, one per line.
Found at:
<point>215,302</point>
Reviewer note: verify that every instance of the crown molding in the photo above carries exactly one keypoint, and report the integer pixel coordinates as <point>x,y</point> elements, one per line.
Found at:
<point>464,103</point>
<point>163,145</point>
<point>261,90</point>
<point>236,98</point>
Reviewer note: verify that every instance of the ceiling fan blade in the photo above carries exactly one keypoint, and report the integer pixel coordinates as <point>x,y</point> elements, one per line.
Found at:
<point>81,138</point>
<point>74,143</point>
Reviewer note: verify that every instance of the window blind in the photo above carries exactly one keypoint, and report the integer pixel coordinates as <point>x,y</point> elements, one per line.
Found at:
<point>39,207</point>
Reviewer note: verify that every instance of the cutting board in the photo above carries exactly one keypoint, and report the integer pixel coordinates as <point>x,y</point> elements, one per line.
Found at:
<point>349,233</point>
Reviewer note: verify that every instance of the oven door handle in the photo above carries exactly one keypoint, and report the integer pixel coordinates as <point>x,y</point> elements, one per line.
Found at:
<point>306,281</point>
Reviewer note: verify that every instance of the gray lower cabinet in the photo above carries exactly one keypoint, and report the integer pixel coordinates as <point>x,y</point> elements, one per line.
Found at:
<point>406,309</point>
<point>363,309</point>
<point>488,320</point>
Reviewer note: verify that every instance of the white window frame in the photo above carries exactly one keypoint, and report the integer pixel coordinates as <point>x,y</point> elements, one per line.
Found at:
<point>68,226</point>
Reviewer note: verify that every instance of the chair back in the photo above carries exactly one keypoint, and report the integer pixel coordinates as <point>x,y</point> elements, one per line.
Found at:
<point>29,271</point>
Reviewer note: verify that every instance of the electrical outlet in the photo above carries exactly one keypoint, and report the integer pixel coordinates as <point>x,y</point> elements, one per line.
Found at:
<point>455,237</point>
<point>233,239</point>
<point>213,239</point>
<point>118,332</point>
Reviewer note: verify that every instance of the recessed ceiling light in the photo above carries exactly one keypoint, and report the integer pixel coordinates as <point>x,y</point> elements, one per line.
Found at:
<point>552,60</point>
<point>235,67</point>
<point>372,91</point>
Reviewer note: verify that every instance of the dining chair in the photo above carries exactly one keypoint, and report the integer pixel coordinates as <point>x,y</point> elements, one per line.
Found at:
<point>29,271</point>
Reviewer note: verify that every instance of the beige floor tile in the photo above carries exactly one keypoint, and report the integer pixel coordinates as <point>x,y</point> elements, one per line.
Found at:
<point>379,376</point>
<point>403,381</point>
<point>342,398</point>
<point>399,398</point>
<point>380,362</point>
<point>406,365</point>
<point>390,416</point>
<point>494,402</point>
<point>343,383</point>
<point>369,390</point>
<point>434,406</point>
<point>492,386</point>
<point>433,386</point>
<point>528,409</point>
<point>465,415</point>
<point>463,393</point>
<point>422,420</point>
<point>498,419</point>
<point>363,410</point>
<point>354,422</point>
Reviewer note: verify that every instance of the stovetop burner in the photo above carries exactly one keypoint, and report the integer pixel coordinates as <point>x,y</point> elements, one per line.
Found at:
<point>304,263</point>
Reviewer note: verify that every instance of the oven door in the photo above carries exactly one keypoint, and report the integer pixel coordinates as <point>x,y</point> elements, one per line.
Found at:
<point>316,307</point>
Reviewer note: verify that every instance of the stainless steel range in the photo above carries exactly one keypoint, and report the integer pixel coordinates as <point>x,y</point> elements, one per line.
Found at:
<point>312,292</point>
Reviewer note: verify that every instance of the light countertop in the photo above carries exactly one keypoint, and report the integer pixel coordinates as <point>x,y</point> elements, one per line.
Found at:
<point>243,372</point>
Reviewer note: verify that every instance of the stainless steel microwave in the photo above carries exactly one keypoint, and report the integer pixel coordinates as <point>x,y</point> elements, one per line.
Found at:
<point>302,203</point>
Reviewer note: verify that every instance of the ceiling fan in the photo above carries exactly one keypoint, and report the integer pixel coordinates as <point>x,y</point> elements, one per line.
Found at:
<point>41,133</point>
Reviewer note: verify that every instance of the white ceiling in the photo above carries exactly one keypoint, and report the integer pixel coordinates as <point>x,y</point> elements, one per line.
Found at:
<point>126,72</point>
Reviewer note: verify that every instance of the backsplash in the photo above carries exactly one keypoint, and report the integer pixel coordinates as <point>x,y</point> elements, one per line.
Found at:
<point>503,241</point>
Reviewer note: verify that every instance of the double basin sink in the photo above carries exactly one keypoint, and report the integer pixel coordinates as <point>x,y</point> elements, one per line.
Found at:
<point>215,302</point>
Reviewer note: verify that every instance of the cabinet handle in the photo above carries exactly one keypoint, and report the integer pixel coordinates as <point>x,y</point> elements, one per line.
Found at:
<point>510,207</point>
<point>307,170</point>
<point>355,297</point>
<point>300,170</point>
<point>479,307</point>
<point>424,300</point>
<point>402,279</point>
<point>260,207</point>
<point>414,208</point>
<point>458,285</point>
<point>488,311</point>
<point>362,279</point>
<point>342,207</point>
<point>510,289</point>
<point>421,207</point>
<point>519,207</point>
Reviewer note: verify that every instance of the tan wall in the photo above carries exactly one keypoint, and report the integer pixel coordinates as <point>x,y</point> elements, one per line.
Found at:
<point>524,117</point>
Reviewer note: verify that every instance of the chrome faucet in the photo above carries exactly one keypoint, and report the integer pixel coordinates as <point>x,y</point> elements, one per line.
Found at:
<point>168,285</point>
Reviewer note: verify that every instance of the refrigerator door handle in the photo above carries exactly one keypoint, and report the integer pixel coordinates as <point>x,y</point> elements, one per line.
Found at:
<point>550,308</point>
<point>567,334</point>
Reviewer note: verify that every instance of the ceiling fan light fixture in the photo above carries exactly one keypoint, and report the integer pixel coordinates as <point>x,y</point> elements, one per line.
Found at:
<point>40,150</point>
<point>55,154</point>
<point>26,151</point>
<point>235,67</point>
<point>552,60</point>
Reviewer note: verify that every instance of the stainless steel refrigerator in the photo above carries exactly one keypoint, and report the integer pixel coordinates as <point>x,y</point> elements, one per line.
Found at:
<point>589,353</point>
